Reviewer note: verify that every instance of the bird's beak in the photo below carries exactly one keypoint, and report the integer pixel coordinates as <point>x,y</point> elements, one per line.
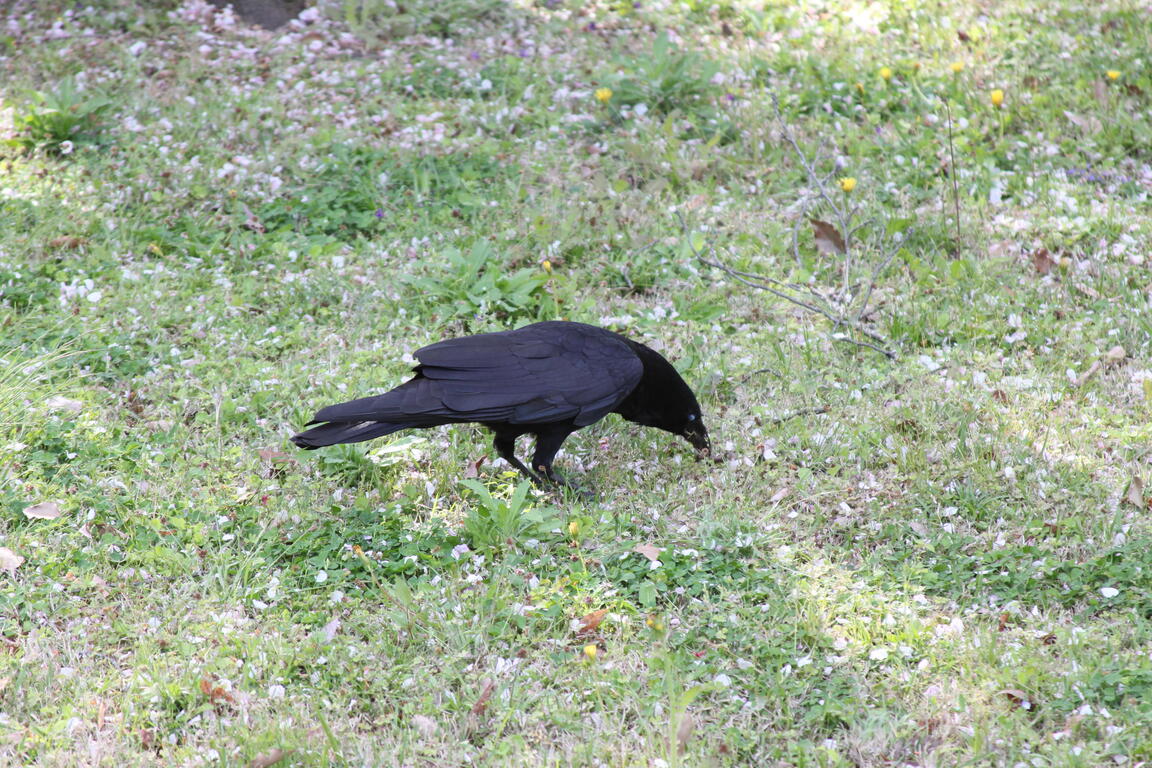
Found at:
<point>700,442</point>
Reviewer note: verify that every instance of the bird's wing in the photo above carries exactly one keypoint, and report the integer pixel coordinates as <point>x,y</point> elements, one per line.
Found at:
<point>538,374</point>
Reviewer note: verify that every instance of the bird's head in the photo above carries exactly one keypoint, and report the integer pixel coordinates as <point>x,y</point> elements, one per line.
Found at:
<point>696,433</point>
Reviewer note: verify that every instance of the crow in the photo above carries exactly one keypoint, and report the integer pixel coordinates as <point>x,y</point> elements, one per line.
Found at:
<point>546,379</point>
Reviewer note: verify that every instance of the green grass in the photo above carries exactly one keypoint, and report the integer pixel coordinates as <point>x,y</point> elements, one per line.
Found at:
<point>207,233</point>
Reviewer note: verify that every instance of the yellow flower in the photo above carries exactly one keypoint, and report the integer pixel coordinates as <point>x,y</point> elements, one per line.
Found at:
<point>1113,74</point>
<point>886,73</point>
<point>603,95</point>
<point>997,97</point>
<point>860,87</point>
<point>591,651</point>
<point>847,183</point>
<point>573,528</point>
<point>546,266</point>
<point>656,624</point>
<point>957,67</point>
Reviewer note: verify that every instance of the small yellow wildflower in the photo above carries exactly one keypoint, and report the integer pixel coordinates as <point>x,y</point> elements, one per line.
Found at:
<point>886,73</point>
<point>957,67</point>
<point>655,623</point>
<point>546,266</point>
<point>848,183</point>
<point>1113,74</point>
<point>591,651</point>
<point>997,97</point>
<point>573,528</point>
<point>603,95</point>
<point>860,87</point>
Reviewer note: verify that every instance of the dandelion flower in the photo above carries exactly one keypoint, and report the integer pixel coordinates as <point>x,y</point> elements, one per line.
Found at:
<point>590,651</point>
<point>957,67</point>
<point>997,97</point>
<point>886,73</point>
<point>848,183</point>
<point>573,528</point>
<point>603,95</point>
<point>1113,74</point>
<point>546,265</point>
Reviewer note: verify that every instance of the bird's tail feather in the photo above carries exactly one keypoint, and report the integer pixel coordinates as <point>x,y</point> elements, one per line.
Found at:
<point>345,432</point>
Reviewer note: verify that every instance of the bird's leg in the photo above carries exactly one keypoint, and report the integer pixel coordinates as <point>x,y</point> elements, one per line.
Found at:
<point>505,445</point>
<point>547,446</point>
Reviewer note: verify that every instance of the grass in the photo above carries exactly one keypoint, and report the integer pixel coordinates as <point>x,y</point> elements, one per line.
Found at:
<point>221,230</point>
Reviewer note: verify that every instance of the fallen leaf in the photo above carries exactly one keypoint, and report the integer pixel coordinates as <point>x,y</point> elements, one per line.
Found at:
<point>1000,396</point>
<point>780,494</point>
<point>216,693</point>
<point>649,551</point>
<point>1043,261</point>
<point>828,239</point>
<point>1003,622</point>
<point>684,731</point>
<point>1135,494</point>
<point>1016,696</point>
<point>58,403</point>
<point>9,560</point>
<point>269,758</point>
<point>485,694</point>
<point>473,468</point>
<point>590,623</point>
<point>45,510</point>
<point>67,241</point>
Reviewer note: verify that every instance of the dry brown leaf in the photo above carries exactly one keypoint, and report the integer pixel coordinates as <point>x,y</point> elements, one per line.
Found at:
<point>45,510</point>
<point>828,239</point>
<point>590,623</point>
<point>1135,494</point>
<point>1043,261</point>
<point>269,758</point>
<point>473,467</point>
<point>9,560</point>
<point>684,731</point>
<point>1000,396</point>
<point>216,693</point>
<point>67,241</point>
<point>1016,696</point>
<point>485,694</point>
<point>650,551</point>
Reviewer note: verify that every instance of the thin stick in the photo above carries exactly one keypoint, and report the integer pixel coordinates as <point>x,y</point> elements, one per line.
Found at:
<point>802,412</point>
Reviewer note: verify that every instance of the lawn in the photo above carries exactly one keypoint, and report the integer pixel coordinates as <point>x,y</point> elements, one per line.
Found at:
<point>901,251</point>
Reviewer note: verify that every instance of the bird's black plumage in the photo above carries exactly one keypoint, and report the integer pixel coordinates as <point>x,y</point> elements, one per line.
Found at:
<point>547,379</point>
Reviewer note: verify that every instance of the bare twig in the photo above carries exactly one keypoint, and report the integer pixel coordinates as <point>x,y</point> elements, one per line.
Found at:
<point>802,412</point>
<point>835,319</point>
<point>759,371</point>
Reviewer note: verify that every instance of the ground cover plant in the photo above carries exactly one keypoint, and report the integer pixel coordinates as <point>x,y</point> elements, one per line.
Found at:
<point>936,556</point>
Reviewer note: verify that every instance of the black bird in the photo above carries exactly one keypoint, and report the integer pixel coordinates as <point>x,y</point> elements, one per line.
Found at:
<point>547,379</point>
